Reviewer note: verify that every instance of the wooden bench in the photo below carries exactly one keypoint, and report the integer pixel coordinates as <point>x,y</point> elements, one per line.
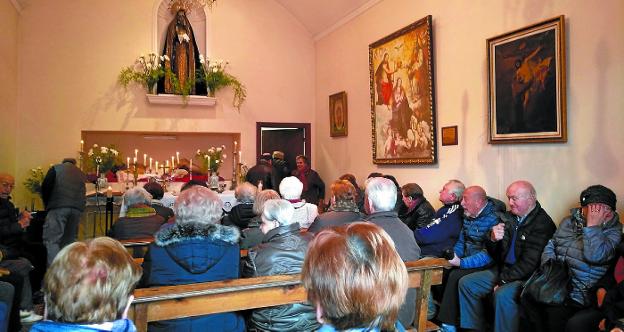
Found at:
<point>172,302</point>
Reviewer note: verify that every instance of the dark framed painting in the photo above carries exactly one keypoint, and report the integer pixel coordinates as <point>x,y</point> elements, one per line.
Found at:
<point>338,115</point>
<point>527,90</point>
<point>449,135</point>
<point>402,96</point>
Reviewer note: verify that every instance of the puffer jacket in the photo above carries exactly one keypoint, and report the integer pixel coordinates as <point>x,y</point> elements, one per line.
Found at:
<point>282,251</point>
<point>190,253</point>
<point>587,250</point>
<point>471,245</point>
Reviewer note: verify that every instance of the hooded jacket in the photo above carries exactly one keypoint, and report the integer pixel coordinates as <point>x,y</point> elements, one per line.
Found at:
<point>192,253</point>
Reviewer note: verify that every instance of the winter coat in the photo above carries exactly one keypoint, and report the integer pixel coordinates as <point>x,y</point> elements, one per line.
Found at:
<point>282,251</point>
<point>120,325</point>
<point>10,230</point>
<point>136,227</point>
<point>441,233</point>
<point>470,246</point>
<point>239,216</point>
<point>315,190</point>
<point>252,235</point>
<point>191,253</point>
<point>532,235</point>
<point>333,219</point>
<point>420,216</point>
<point>587,250</point>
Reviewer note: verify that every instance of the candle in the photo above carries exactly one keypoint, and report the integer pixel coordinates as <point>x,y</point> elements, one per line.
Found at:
<point>172,162</point>
<point>167,163</point>
<point>157,167</point>
<point>208,165</point>
<point>191,171</point>
<point>134,161</point>
<point>109,192</point>
<point>235,144</point>
<point>128,162</point>
<point>81,145</point>
<point>240,157</point>
<point>177,157</point>
<point>151,163</point>
<point>136,151</point>
<point>144,159</point>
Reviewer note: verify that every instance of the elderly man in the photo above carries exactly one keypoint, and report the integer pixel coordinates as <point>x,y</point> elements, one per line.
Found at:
<point>441,234</point>
<point>516,244</point>
<point>63,193</point>
<point>242,213</point>
<point>12,224</point>
<point>381,195</point>
<point>419,211</point>
<point>313,186</point>
<point>470,253</point>
<point>141,219</point>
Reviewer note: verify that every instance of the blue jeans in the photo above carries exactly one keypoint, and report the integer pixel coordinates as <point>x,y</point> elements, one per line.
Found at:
<point>474,287</point>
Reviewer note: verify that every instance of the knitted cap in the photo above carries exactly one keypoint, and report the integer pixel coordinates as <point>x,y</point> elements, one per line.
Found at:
<point>598,194</point>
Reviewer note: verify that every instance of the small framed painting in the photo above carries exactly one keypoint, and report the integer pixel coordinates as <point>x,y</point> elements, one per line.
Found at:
<point>449,135</point>
<point>338,114</point>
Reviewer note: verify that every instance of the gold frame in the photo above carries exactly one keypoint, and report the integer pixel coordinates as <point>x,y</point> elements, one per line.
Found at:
<point>340,99</point>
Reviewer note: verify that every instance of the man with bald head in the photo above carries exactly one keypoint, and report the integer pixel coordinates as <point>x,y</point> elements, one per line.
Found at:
<point>470,252</point>
<point>516,244</point>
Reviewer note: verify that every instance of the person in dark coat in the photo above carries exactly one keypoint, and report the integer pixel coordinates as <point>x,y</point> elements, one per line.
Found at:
<point>280,168</point>
<point>282,251</point>
<point>194,249</point>
<point>252,235</point>
<point>380,201</point>
<point>313,186</point>
<point>141,220</point>
<point>241,213</point>
<point>261,173</point>
<point>157,192</point>
<point>419,211</point>
<point>343,209</point>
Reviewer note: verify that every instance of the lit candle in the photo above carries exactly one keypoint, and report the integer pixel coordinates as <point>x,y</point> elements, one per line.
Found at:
<point>167,163</point>
<point>109,192</point>
<point>136,151</point>
<point>81,145</point>
<point>191,171</point>
<point>208,164</point>
<point>128,162</point>
<point>240,157</point>
<point>177,157</point>
<point>172,162</point>
<point>235,144</point>
<point>151,163</point>
<point>134,161</point>
<point>144,159</point>
<point>157,167</point>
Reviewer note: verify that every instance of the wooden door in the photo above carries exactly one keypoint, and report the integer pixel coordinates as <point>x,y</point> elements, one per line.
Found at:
<point>291,138</point>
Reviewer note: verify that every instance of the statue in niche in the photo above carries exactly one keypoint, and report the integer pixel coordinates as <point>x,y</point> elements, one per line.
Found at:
<point>181,48</point>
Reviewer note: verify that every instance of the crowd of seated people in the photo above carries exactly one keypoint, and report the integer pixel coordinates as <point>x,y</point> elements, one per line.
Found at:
<point>491,252</point>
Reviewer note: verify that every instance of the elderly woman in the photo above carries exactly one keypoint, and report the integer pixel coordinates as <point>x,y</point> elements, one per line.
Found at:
<point>252,235</point>
<point>242,213</point>
<point>343,208</point>
<point>359,199</point>
<point>355,279</point>
<point>305,213</point>
<point>141,219</point>
<point>157,192</point>
<point>282,251</point>
<point>419,211</point>
<point>194,249</point>
<point>586,242</point>
<point>89,287</point>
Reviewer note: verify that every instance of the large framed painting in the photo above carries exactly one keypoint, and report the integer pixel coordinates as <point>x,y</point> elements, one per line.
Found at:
<point>402,96</point>
<point>527,95</point>
<point>338,115</point>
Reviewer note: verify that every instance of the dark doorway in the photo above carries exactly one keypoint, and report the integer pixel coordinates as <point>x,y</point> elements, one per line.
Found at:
<point>291,138</point>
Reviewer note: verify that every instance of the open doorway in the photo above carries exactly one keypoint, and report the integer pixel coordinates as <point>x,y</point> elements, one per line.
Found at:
<point>291,138</point>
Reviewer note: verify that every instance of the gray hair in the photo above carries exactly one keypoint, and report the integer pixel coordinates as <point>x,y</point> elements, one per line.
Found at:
<point>137,195</point>
<point>382,193</point>
<point>198,205</point>
<point>279,210</point>
<point>261,198</point>
<point>245,192</point>
<point>291,187</point>
<point>457,189</point>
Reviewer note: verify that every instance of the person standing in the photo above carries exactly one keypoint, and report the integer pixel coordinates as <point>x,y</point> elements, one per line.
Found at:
<point>313,185</point>
<point>63,193</point>
<point>261,173</point>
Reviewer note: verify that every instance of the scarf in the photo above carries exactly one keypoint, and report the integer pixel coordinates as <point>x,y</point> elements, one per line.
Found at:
<point>344,206</point>
<point>140,210</point>
<point>301,175</point>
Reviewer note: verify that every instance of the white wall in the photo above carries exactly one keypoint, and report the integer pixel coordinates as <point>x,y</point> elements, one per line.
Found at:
<point>8,85</point>
<point>595,81</point>
<point>72,51</point>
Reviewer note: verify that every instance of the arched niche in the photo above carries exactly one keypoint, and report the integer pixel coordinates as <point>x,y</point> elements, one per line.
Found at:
<point>199,19</point>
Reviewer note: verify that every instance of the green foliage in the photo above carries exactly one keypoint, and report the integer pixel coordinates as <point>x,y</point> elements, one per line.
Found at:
<point>146,71</point>
<point>214,75</point>
<point>106,156</point>
<point>34,181</point>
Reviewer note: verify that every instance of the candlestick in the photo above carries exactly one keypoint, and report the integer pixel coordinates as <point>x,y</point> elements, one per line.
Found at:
<point>97,171</point>
<point>151,164</point>
<point>144,159</point>
<point>208,165</point>
<point>177,157</point>
<point>109,192</point>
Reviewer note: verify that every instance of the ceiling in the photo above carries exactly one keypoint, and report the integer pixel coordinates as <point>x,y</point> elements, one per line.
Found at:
<point>319,17</point>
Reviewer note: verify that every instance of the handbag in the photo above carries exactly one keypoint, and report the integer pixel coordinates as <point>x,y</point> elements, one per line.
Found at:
<point>549,284</point>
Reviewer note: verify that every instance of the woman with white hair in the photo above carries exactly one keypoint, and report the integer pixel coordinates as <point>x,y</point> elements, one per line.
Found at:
<point>242,213</point>
<point>305,213</point>
<point>141,219</point>
<point>194,249</point>
<point>282,251</point>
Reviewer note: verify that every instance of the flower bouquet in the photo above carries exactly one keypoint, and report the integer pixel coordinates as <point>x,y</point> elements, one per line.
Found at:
<point>212,72</point>
<point>101,159</point>
<point>212,159</point>
<point>146,71</point>
<point>34,180</point>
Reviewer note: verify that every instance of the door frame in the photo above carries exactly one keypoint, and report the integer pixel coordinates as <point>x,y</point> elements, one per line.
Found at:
<point>306,129</point>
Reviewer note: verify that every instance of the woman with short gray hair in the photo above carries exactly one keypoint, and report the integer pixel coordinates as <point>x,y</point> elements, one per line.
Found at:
<point>282,251</point>
<point>194,249</point>
<point>140,219</point>
<point>252,236</point>
<point>242,213</point>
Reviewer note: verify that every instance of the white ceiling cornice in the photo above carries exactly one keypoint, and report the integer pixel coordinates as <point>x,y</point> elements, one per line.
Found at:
<point>350,16</point>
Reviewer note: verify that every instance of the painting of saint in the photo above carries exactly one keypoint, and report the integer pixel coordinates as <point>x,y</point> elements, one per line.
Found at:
<point>402,105</point>
<point>338,124</point>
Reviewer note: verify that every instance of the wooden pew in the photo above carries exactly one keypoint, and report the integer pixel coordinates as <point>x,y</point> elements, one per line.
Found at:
<point>171,302</point>
<point>137,247</point>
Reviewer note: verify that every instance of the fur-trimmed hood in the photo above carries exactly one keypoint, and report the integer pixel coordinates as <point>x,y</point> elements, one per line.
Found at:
<point>198,247</point>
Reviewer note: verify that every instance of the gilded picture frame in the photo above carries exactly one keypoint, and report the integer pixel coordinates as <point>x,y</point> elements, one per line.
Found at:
<point>338,115</point>
<point>526,81</point>
<point>402,96</point>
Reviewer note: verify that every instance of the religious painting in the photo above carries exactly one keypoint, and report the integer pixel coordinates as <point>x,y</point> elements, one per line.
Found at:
<point>449,135</point>
<point>338,115</point>
<point>402,96</point>
<point>527,96</point>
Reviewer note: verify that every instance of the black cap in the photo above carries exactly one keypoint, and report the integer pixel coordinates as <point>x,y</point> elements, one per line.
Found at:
<point>598,194</point>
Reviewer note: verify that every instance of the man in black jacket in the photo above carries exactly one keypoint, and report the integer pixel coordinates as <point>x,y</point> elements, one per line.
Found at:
<point>516,245</point>
<point>261,173</point>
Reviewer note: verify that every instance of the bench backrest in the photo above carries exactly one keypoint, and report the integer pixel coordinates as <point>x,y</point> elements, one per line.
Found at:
<point>172,302</point>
